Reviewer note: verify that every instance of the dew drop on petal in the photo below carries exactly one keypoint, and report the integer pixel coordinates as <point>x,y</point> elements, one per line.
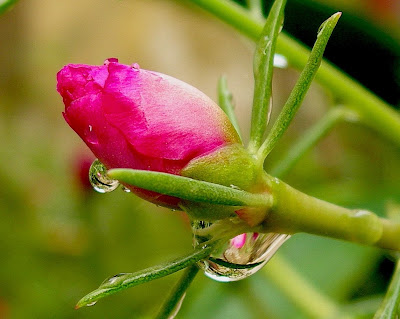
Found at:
<point>241,256</point>
<point>99,179</point>
<point>110,60</point>
<point>136,66</point>
<point>90,135</point>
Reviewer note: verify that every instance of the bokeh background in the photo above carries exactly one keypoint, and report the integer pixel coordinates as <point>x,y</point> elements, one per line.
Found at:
<point>59,239</point>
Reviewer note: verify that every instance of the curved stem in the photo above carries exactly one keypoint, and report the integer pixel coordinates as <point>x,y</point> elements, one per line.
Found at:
<point>298,289</point>
<point>373,111</point>
<point>172,305</point>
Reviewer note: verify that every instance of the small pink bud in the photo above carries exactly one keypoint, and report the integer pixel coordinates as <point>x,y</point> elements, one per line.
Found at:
<point>134,118</point>
<point>239,241</point>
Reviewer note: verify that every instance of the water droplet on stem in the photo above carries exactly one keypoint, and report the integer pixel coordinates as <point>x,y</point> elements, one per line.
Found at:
<point>239,257</point>
<point>99,179</point>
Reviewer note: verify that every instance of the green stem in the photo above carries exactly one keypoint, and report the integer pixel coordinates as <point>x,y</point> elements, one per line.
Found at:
<point>255,7</point>
<point>294,212</point>
<point>127,280</point>
<point>6,4</point>
<point>389,308</point>
<point>172,305</point>
<point>300,89</point>
<point>298,289</point>
<point>310,138</point>
<point>374,112</point>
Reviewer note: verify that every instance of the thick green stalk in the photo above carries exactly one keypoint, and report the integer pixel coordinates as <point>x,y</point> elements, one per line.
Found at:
<point>173,303</point>
<point>294,212</point>
<point>310,138</point>
<point>374,112</point>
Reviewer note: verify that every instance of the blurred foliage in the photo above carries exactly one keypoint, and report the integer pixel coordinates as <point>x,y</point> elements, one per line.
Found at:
<point>59,240</point>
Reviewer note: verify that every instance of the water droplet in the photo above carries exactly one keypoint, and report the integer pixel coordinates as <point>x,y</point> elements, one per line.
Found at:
<point>280,61</point>
<point>110,60</point>
<point>239,257</point>
<point>99,179</point>
<point>136,66</point>
<point>234,187</point>
<point>125,189</point>
<point>90,135</point>
<point>91,304</point>
<point>113,279</point>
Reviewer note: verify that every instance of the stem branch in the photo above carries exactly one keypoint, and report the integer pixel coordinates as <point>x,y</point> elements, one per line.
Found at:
<point>172,305</point>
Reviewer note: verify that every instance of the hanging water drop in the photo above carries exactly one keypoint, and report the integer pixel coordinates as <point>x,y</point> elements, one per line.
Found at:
<point>99,179</point>
<point>241,256</point>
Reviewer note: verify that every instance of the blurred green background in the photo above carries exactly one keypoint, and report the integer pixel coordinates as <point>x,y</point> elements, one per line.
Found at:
<point>59,239</point>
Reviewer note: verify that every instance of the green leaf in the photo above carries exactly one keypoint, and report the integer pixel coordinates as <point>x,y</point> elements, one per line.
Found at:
<point>299,91</point>
<point>389,308</point>
<point>263,65</point>
<point>225,103</point>
<point>126,280</point>
<point>189,189</point>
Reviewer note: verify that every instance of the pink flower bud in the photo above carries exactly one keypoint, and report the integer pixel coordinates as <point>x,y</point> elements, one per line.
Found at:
<point>134,118</point>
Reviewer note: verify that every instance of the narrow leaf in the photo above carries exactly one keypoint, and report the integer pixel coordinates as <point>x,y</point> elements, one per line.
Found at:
<point>299,91</point>
<point>126,280</point>
<point>389,308</point>
<point>225,103</point>
<point>172,305</point>
<point>189,189</point>
<point>262,67</point>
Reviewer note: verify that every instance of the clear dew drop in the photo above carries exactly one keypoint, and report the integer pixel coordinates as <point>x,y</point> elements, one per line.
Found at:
<point>90,135</point>
<point>240,257</point>
<point>125,189</point>
<point>113,279</point>
<point>99,179</point>
<point>136,66</point>
<point>91,304</point>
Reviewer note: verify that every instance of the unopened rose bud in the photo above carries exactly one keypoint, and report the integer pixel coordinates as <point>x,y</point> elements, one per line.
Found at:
<point>134,118</point>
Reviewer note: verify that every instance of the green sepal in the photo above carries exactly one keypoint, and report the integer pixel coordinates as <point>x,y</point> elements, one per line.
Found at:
<point>189,189</point>
<point>230,166</point>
